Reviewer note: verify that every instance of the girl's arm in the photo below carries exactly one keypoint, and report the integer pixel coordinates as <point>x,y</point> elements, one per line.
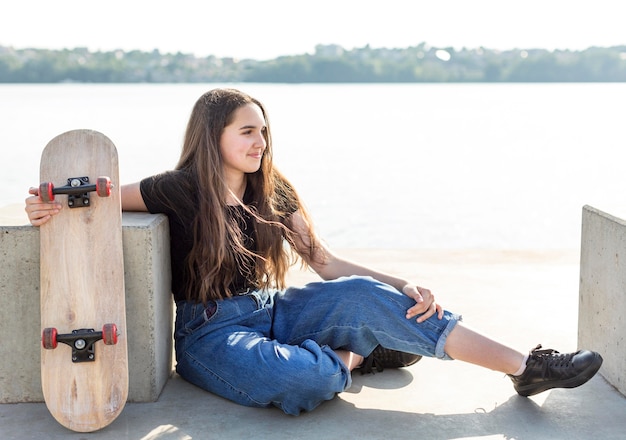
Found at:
<point>132,199</point>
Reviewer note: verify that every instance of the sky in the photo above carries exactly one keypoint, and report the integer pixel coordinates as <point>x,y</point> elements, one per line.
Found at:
<point>268,29</point>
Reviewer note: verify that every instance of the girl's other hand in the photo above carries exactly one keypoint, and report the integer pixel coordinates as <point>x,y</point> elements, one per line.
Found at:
<point>38,211</point>
<point>425,303</point>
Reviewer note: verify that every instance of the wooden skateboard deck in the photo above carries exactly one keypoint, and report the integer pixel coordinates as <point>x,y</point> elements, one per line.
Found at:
<point>84,361</point>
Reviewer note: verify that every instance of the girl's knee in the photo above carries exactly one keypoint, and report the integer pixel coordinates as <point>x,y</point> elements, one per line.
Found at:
<point>304,384</point>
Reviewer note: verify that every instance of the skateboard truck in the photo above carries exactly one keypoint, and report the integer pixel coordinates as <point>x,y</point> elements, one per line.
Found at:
<point>77,190</point>
<point>81,341</point>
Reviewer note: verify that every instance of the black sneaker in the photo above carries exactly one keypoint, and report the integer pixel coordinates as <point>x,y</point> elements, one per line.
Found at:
<point>382,358</point>
<point>546,369</point>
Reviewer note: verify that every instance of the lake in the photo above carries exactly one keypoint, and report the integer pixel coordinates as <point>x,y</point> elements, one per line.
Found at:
<point>428,166</point>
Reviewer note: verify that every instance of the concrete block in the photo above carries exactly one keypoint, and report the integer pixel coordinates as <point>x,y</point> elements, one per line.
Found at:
<point>148,308</point>
<point>20,322</point>
<point>149,305</point>
<point>602,294</point>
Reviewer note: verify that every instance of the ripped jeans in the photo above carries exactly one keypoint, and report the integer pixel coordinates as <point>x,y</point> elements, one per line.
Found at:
<point>268,349</point>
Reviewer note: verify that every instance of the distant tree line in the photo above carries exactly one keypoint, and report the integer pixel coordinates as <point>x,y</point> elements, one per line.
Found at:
<point>329,64</point>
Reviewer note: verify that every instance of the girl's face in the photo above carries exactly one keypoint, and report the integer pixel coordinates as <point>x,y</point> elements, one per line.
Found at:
<point>242,143</point>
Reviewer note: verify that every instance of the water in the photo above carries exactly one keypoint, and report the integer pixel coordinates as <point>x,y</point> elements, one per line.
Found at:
<point>380,166</point>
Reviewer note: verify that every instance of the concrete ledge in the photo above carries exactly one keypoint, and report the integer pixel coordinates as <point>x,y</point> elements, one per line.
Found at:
<point>602,294</point>
<point>148,309</point>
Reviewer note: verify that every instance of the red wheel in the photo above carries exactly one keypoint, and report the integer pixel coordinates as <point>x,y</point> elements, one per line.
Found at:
<point>109,334</point>
<point>103,186</point>
<point>46,192</point>
<point>49,338</point>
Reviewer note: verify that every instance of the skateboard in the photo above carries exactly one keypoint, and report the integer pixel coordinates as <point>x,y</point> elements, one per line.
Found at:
<point>84,360</point>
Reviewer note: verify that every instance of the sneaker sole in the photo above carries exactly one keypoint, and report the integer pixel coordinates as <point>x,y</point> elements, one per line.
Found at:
<point>572,382</point>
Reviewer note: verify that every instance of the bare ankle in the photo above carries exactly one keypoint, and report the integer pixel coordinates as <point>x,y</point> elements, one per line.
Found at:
<point>352,360</point>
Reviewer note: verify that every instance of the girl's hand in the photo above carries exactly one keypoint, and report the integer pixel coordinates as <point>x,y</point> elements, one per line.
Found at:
<point>425,303</point>
<point>39,212</point>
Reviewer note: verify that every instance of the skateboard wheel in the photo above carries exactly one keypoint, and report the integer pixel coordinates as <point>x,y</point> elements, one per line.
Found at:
<point>103,186</point>
<point>49,338</point>
<point>46,192</point>
<point>109,334</point>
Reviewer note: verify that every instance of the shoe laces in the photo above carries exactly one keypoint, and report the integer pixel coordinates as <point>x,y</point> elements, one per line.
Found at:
<point>550,359</point>
<point>369,364</point>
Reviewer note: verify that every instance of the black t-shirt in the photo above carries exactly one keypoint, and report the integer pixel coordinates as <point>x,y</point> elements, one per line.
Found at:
<point>174,194</point>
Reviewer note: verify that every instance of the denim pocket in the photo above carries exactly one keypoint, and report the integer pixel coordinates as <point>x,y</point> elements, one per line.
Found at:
<point>195,316</point>
<point>210,311</point>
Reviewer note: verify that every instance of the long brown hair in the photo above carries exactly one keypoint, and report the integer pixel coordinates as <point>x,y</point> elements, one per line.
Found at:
<point>218,251</point>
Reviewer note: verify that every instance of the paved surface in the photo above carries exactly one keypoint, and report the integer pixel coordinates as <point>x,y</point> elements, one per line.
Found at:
<point>521,298</point>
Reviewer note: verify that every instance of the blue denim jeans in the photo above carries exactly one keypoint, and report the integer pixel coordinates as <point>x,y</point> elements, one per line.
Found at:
<point>268,349</point>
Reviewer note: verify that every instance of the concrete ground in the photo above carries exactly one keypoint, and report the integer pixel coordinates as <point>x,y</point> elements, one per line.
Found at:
<point>521,298</point>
